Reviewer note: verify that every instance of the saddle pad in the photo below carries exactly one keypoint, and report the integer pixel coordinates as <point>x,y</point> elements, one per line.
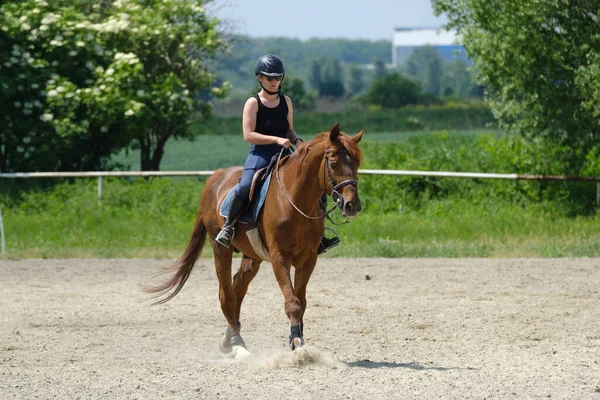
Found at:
<point>255,206</point>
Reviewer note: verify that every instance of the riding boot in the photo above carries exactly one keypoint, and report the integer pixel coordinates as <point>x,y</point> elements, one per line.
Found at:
<point>326,243</point>
<point>238,205</point>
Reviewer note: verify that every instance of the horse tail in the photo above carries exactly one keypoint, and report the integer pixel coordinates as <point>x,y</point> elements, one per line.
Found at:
<point>183,266</point>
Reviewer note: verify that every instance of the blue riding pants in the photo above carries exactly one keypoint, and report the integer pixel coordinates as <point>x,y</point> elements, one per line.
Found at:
<point>256,160</point>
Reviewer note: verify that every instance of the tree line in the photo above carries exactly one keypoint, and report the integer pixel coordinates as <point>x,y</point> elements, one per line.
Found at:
<point>345,69</point>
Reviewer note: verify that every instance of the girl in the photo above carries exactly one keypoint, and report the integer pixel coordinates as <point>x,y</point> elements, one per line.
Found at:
<point>267,123</point>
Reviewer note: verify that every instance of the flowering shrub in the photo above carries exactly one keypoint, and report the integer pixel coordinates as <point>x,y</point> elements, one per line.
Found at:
<point>81,80</point>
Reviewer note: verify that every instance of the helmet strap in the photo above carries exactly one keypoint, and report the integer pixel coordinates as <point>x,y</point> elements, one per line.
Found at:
<point>267,90</point>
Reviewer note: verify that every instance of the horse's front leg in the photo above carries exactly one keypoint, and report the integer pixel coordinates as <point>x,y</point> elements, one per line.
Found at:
<point>294,305</point>
<point>301,278</point>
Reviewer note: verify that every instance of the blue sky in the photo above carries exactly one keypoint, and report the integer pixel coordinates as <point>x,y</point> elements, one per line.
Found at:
<point>303,19</point>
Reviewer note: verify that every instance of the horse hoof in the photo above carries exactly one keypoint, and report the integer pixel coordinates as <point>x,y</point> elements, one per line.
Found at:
<point>225,345</point>
<point>296,343</point>
<point>240,353</point>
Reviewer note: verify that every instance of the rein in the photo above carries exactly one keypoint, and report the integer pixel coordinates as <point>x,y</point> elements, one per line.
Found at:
<point>335,195</point>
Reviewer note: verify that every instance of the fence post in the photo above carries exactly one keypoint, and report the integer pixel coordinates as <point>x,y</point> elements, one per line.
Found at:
<point>598,194</point>
<point>2,232</point>
<point>99,190</point>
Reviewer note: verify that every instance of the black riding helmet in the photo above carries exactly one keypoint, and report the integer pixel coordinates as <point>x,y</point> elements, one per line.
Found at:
<point>269,65</point>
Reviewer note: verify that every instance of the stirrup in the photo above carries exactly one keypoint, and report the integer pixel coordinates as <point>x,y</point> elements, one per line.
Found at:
<point>332,242</point>
<point>226,235</point>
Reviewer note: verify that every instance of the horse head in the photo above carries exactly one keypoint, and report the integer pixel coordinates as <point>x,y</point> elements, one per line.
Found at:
<point>340,170</point>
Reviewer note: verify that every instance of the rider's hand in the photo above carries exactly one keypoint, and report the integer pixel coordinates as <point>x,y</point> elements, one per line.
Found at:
<point>285,142</point>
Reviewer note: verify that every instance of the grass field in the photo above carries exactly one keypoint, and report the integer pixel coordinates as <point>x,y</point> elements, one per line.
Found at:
<point>152,218</point>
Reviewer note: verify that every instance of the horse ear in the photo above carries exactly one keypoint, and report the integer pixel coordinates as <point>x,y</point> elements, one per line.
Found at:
<point>358,136</point>
<point>334,133</point>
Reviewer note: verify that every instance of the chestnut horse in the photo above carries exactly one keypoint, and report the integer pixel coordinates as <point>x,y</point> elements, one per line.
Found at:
<point>291,227</point>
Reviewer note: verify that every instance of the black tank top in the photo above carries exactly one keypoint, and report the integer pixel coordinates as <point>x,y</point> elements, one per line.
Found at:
<point>271,122</point>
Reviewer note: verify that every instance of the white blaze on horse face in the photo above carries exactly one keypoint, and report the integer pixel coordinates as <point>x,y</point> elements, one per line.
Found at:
<point>351,202</point>
<point>351,205</point>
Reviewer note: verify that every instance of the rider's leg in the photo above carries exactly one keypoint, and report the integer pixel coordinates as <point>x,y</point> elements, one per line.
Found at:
<point>239,203</point>
<point>326,243</point>
<point>253,163</point>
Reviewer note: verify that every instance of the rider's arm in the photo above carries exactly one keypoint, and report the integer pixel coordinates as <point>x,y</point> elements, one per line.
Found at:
<point>291,134</point>
<point>249,124</point>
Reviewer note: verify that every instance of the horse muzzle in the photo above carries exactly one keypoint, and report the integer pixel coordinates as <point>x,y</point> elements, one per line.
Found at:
<point>351,209</point>
<point>349,206</point>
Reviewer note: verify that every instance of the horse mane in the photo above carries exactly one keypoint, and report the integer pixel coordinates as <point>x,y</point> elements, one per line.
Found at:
<point>343,142</point>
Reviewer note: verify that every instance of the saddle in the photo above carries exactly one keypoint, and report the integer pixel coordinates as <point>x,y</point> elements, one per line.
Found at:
<point>258,193</point>
<point>257,199</point>
<point>261,176</point>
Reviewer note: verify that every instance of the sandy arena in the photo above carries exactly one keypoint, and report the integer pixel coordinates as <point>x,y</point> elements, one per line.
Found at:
<point>375,329</point>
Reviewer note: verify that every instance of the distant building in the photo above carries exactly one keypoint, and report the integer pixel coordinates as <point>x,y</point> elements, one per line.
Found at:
<point>406,40</point>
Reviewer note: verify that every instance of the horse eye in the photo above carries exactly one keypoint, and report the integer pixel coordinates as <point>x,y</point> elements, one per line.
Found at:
<point>332,164</point>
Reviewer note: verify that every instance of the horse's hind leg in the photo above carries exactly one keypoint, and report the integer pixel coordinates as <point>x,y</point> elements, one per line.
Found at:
<point>223,256</point>
<point>248,270</point>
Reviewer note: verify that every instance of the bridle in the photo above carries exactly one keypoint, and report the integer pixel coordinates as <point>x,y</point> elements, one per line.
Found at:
<point>336,196</point>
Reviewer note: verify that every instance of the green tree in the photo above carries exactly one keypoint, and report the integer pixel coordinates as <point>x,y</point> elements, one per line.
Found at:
<point>539,63</point>
<point>101,77</point>
<point>433,75</point>
<point>332,83</point>
<point>356,81</point>
<point>380,70</point>
<point>425,65</point>
<point>27,140</point>
<point>394,91</point>
<point>301,99</point>
<point>315,76</point>
<point>457,81</point>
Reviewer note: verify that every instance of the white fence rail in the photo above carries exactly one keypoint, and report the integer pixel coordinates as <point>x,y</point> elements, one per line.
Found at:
<point>439,174</point>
